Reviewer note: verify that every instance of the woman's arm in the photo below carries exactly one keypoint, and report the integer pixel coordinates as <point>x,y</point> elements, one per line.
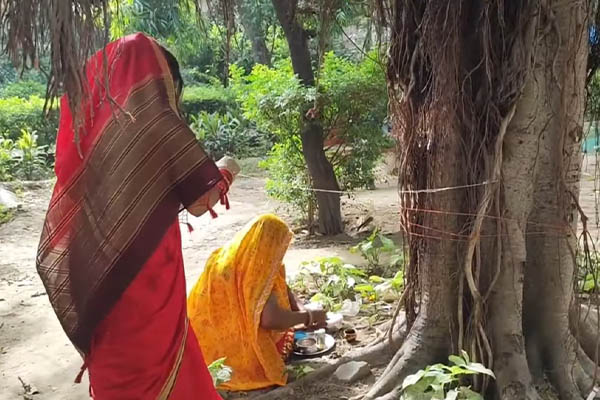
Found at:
<point>206,202</point>
<point>295,304</point>
<point>274,317</point>
<point>229,169</point>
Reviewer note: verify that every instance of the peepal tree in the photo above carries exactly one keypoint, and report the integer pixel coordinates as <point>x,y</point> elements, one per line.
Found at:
<point>487,102</point>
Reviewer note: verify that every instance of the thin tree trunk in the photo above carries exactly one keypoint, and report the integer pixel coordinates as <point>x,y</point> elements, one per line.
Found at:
<point>256,35</point>
<point>320,169</point>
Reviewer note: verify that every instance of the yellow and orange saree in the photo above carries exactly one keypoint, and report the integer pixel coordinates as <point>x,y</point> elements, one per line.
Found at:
<point>226,304</point>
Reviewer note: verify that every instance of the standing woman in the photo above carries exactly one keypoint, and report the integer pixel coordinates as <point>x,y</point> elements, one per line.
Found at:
<point>110,252</point>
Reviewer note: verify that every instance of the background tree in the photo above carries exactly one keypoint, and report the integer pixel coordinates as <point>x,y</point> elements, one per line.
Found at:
<point>320,169</point>
<point>256,16</point>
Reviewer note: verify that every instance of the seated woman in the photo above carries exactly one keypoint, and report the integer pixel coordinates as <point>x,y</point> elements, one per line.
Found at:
<point>242,309</point>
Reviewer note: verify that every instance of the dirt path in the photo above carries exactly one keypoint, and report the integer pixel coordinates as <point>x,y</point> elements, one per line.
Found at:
<point>33,346</point>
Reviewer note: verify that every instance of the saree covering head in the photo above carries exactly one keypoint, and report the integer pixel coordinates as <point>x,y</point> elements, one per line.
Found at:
<point>226,303</point>
<point>110,250</point>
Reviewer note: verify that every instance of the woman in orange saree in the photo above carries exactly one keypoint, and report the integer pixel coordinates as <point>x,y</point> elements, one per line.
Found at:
<point>242,309</point>
<point>110,252</point>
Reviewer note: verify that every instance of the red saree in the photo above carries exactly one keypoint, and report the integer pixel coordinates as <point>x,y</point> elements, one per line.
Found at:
<point>110,252</point>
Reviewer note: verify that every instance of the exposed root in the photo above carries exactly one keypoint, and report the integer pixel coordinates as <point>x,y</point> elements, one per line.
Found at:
<point>375,355</point>
<point>584,382</point>
<point>588,365</point>
<point>586,324</point>
<point>423,346</point>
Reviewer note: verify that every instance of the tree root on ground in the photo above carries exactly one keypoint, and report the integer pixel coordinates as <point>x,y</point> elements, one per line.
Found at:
<point>375,354</point>
<point>425,344</point>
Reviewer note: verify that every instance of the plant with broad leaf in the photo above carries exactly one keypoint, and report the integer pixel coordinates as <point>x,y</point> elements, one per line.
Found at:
<point>30,158</point>
<point>374,248</point>
<point>220,372</point>
<point>444,382</point>
<point>330,280</point>
<point>299,371</point>
<point>378,288</point>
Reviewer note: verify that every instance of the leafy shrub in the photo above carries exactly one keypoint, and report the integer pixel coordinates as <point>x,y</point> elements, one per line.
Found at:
<point>374,248</point>
<point>195,77</point>
<point>24,158</point>
<point>288,180</point>
<point>24,89</point>
<point>17,114</point>
<point>210,99</point>
<point>30,159</point>
<point>440,381</point>
<point>331,278</point>
<point>226,135</point>
<point>352,99</point>
<point>6,159</point>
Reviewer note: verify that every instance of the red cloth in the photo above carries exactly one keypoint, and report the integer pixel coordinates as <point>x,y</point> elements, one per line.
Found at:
<point>138,341</point>
<point>135,347</point>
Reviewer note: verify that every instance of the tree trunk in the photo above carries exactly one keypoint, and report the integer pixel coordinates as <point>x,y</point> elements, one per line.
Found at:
<point>524,283</point>
<point>320,169</point>
<point>429,339</point>
<point>255,33</point>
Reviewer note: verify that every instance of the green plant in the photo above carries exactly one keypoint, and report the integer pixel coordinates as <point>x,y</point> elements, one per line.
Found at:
<point>352,102</point>
<point>6,159</point>
<point>205,98</point>
<point>17,114</point>
<point>588,268</point>
<point>24,89</point>
<point>227,135</point>
<point>378,288</point>
<point>219,372</point>
<point>299,371</point>
<point>288,180</point>
<point>443,382</point>
<point>331,279</point>
<point>374,248</point>
<point>30,159</point>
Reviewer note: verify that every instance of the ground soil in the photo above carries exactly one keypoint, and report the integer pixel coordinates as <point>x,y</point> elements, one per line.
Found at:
<point>33,348</point>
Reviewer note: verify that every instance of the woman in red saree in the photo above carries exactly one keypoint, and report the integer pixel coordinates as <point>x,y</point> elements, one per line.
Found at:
<point>110,252</point>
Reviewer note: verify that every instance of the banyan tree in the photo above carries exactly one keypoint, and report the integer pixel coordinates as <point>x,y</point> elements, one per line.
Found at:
<point>487,101</point>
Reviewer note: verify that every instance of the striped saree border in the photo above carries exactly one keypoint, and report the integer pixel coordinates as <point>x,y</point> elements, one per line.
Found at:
<point>171,381</point>
<point>101,229</point>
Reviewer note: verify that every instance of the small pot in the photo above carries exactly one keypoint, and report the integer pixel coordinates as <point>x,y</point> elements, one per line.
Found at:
<point>307,345</point>
<point>350,335</point>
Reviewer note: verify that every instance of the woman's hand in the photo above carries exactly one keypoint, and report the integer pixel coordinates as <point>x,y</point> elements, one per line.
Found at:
<point>318,319</point>
<point>274,317</point>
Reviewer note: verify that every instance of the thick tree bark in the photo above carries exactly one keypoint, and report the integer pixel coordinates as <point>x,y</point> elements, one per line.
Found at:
<point>506,325</point>
<point>550,275</point>
<point>530,269</point>
<point>323,177</point>
<point>431,337</point>
<point>255,33</point>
